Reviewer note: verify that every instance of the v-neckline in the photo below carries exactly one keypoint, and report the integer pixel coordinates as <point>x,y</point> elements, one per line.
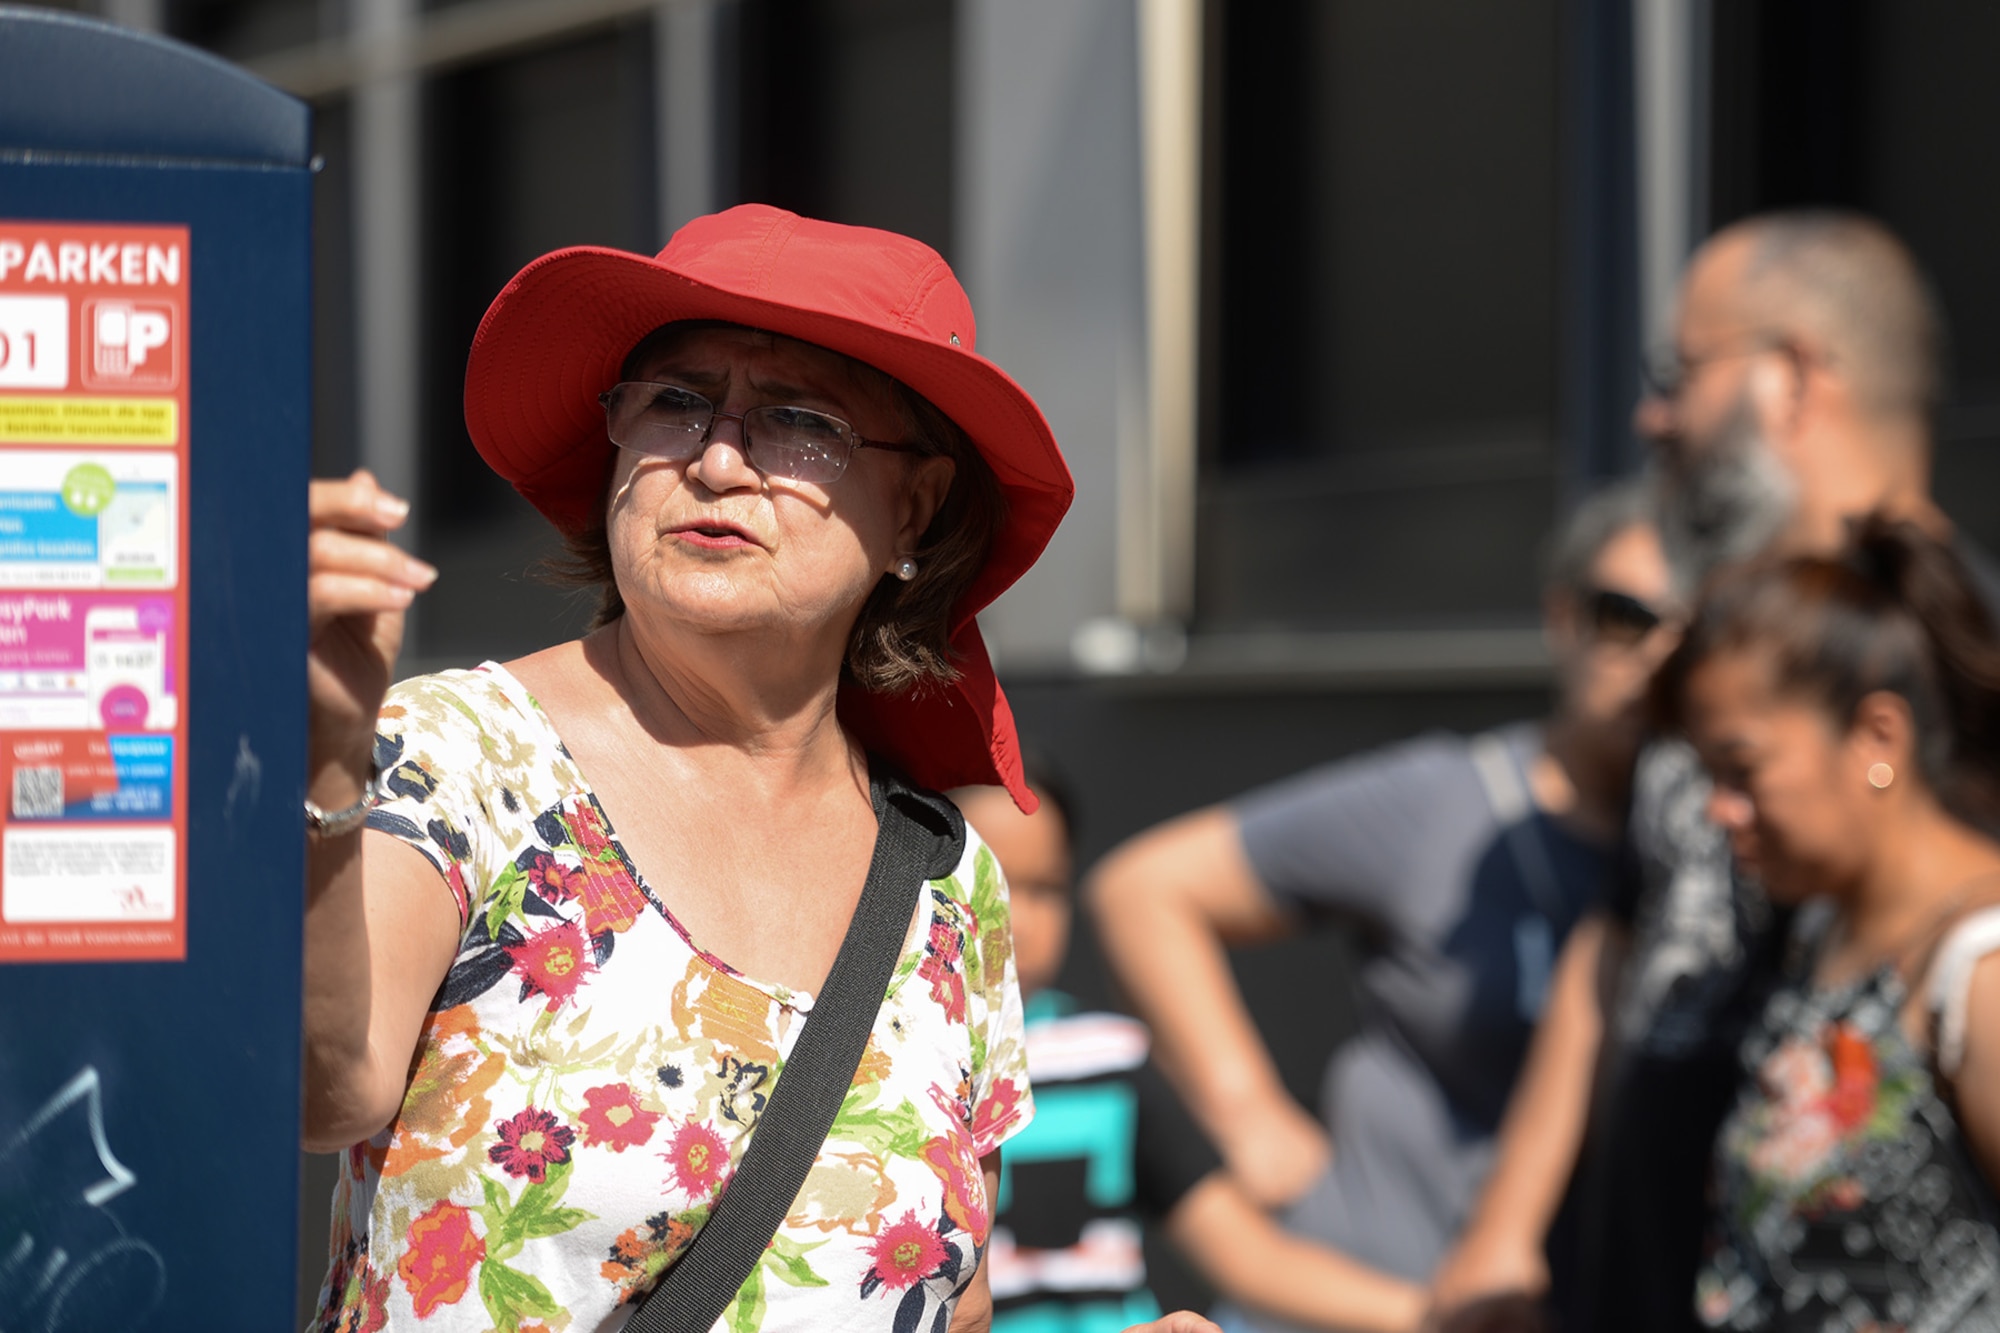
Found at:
<point>792,998</point>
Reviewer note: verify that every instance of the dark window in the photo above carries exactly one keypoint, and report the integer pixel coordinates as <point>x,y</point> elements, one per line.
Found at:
<point>1386,393</point>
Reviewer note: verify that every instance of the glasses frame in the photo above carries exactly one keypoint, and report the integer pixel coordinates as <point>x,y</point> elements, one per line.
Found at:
<point>850,438</point>
<point>1666,370</point>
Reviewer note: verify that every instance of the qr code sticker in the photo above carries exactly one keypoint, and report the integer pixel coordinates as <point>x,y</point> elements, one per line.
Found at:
<point>38,793</point>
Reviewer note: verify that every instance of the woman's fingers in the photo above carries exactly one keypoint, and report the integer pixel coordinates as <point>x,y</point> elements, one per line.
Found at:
<point>357,503</point>
<point>332,551</point>
<point>352,568</point>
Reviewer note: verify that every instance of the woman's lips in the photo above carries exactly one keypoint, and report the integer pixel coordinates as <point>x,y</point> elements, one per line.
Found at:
<point>714,536</point>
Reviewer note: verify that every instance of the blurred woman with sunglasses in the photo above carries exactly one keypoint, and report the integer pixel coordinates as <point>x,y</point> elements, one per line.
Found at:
<point>1848,710</point>
<point>1464,863</point>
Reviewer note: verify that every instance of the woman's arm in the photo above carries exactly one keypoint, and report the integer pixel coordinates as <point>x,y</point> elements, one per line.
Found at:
<point>1252,1260</point>
<point>1978,1081</point>
<point>1166,904</point>
<point>974,1311</point>
<point>380,930</point>
<point>1501,1249</point>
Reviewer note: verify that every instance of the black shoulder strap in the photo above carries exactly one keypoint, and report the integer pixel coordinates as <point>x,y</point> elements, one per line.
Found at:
<point>919,837</point>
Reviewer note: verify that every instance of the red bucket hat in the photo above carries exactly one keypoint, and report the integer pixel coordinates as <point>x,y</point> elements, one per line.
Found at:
<point>557,334</point>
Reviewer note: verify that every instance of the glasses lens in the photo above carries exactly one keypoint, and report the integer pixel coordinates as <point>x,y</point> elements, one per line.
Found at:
<point>657,419</point>
<point>1620,618</point>
<point>1663,371</point>
<point>798,443</point>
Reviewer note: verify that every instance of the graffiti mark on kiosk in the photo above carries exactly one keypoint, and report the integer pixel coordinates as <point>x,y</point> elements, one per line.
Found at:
<point>65,1262</point>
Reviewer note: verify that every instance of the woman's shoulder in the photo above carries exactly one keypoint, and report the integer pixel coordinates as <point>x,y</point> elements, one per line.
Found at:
<point>478,719</point>
<point>469,700</point>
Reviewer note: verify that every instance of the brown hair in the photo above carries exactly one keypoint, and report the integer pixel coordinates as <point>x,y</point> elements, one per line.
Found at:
<point>1896,610</point>
<point>902,638</point>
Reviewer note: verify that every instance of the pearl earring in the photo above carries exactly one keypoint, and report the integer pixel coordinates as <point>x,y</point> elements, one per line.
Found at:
<point>904,569</point>
<point>1880,776</point>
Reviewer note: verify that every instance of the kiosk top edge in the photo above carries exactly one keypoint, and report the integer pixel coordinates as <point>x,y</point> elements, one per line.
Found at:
<point>73,84</point>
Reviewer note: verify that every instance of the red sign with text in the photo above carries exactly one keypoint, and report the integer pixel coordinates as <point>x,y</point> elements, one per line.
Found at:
<point>93,591</point>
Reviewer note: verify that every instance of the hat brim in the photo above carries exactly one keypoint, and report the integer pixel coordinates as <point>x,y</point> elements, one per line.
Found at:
<point>555,338</point>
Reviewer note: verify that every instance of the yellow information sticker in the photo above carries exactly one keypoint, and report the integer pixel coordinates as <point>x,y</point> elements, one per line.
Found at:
<point>52,420</point>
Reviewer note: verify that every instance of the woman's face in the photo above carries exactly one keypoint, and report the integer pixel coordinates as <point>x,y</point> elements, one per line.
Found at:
<point>716,545</point>
<point>1604,660</point>
<point>1790,783</point>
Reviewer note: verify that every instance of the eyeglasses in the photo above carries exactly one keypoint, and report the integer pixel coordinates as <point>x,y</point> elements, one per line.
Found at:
<point>1666,370</point>
<point>1619,618</point>
<point>672,423</point>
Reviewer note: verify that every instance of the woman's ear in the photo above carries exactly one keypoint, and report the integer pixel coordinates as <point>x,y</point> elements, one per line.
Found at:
<point>930,483</point>
<point>1884,731</point>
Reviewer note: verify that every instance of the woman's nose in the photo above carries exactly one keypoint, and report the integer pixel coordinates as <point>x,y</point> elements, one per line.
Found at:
<point>1729,810</point>
<point>724,461</point>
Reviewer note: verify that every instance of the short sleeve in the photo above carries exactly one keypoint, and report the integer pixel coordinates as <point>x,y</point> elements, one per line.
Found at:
<point>1002,1104</point>
<point>1340,836</point>
<point>1172,1154</point>
<point>431,751</point>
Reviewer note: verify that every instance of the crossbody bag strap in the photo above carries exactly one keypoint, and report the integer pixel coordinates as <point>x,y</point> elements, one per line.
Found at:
<point>919,837</point>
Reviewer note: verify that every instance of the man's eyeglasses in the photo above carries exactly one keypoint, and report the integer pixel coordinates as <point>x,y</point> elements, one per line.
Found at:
<point>672,423</point>
<point>1619,618</point>
<point>1666,370</point>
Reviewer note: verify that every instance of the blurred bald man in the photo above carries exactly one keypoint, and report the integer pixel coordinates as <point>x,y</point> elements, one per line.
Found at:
<point>1796,394</point>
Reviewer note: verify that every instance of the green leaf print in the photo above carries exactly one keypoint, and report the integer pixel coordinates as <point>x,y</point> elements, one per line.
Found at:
<point>511,1296</point>
<point>746,1312</point>
<point>896,1131</point>
<point>787,1258</point>
<point>504,899</point>
<point>512,1223</point>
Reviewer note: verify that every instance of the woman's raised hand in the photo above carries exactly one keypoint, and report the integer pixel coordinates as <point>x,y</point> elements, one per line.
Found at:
<point>358,586</point>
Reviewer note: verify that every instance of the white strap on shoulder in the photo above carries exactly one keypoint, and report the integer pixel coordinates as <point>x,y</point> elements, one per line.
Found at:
<point>1500,774</point>
<point>1970,940</point>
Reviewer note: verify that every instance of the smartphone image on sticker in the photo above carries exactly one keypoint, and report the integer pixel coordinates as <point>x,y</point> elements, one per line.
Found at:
<point>127,670</point>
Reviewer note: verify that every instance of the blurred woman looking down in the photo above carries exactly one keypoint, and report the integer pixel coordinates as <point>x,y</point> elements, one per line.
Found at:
<point>1848,711</point>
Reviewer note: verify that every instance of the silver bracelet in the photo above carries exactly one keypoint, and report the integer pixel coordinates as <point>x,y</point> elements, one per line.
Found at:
<point>339,823</point>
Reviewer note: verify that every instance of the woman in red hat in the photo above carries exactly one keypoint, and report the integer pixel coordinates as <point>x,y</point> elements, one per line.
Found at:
<point>567,914</point>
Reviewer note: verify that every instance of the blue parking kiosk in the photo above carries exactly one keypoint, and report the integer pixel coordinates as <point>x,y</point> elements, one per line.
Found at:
<point>155,384</point>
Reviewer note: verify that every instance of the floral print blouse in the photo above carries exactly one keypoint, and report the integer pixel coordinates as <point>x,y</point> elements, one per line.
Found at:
<point>1846,1199</point>
<point>587,1076</point>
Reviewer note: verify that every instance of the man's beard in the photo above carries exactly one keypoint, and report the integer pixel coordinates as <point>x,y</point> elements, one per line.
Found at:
<point>1728,503</point>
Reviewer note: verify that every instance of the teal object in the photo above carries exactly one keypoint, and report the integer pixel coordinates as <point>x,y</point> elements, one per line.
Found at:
<point>1085,1317</point>
<point>1097,1123</point>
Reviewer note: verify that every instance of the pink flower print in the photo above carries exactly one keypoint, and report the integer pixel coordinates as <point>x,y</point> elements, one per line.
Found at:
<point>441,1253</point>
<point>612,1116</point>
<point>1797,1075</point>
<point>994,1116</point>
<point>904,1254</point>
<point>1796,1149</point>
<point>531,1143</point>
<point>699,1159</point>
<point>943,968</point>
<point>951,1159</point>
<point>553,962</point>
<point>556,883</point>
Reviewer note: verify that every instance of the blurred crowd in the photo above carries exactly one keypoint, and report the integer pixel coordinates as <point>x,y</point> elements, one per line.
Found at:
<point>1679,1006</point>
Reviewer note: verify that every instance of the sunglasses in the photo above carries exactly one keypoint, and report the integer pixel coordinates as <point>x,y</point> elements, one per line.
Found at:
<point>1619,618</point>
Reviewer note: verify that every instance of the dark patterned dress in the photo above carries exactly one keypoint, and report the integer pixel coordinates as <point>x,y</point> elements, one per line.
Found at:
<point>1845,1197</point>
